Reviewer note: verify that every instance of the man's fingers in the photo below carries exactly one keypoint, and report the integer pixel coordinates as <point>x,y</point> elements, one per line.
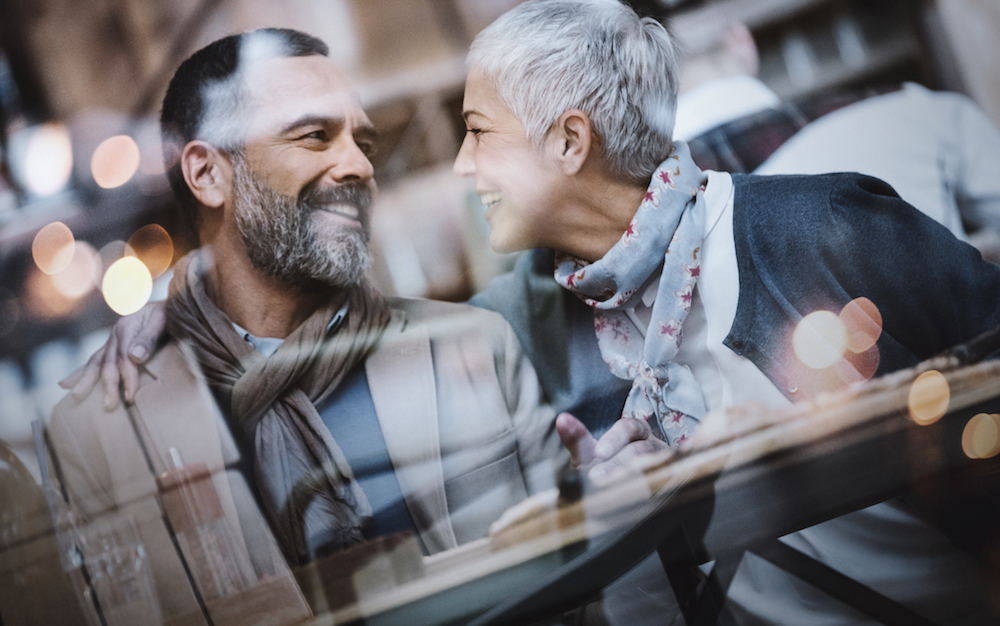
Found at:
<point>576,438</point>
<point>621,434</point>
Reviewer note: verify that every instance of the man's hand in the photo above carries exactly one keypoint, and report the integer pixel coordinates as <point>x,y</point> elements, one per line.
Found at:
<point>626,440</point>
<point>132,341</point>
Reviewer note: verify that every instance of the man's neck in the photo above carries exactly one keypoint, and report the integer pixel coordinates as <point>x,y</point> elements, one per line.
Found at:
<point>262,304</point>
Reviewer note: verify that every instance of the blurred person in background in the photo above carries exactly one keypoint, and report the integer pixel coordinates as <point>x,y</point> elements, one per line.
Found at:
<point>938,150</point>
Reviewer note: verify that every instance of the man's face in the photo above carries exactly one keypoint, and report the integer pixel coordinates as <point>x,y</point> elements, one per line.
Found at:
<point>302,189</point>
<point>514,180</point>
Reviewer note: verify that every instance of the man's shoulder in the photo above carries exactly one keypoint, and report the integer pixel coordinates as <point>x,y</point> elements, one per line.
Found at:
<point>172,369</point>
<point>449,318</point>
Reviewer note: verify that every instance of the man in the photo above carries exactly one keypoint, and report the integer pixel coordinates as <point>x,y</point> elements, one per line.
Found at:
<point>569,107</point>
<point>363,416</point>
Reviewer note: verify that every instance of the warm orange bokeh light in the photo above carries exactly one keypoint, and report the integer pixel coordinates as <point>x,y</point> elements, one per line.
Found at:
<point>929,397</point>
<point>862,324</point>
<point>127,285</point>
<point>48,160</point>
<point>819,339</point>
<point>43,300</point>
<point>115,161</point>
<point>52,248</point>
<point>153,246</point>
<point>79,277</point>
<point>981,437</point>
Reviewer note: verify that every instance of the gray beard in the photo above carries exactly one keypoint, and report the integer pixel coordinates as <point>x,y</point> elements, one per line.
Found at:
<point>283,241</point>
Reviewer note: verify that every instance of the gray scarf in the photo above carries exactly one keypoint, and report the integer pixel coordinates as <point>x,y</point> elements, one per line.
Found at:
<point>305,483</point>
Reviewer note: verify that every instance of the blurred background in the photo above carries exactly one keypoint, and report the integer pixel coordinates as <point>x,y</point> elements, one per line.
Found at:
<point>86,225</point>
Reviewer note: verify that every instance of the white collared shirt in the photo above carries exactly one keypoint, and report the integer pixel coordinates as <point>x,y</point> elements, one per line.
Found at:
<point>269,345</point>
<point>726,378</point>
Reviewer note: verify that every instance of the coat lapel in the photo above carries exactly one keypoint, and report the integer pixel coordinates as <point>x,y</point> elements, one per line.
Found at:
<point>401,378</point>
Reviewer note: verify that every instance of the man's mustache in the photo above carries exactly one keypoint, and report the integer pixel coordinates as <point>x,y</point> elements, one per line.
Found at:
<point>355,194</point>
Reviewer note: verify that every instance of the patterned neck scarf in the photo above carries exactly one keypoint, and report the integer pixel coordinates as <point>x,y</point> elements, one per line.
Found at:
<point>667,229</point>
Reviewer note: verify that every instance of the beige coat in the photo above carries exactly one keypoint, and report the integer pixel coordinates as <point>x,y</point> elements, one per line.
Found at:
<point>459,408</point>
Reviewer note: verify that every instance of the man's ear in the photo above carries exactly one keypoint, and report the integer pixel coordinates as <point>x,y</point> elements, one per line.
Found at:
<point>207,172</point>
<point>571,139</point>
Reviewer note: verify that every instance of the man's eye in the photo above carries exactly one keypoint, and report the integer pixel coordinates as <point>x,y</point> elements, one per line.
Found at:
<point>319,135</point>
<point>367,148</point>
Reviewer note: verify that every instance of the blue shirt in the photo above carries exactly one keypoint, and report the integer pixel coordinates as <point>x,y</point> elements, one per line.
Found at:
<point>349,414</point>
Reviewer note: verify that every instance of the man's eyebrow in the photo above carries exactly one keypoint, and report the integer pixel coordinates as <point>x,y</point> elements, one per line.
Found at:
<point>364,129</point>
<point>468,112</point>
<point>312,120</point>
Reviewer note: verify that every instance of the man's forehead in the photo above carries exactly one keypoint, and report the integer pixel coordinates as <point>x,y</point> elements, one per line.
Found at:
<point>294,86</point>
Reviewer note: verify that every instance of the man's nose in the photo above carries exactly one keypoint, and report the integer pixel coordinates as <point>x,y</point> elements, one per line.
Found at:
<point>351,164</point>
<point>464,163</point>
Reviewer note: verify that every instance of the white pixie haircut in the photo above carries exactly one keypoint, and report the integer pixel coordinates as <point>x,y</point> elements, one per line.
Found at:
<point>546,57</point>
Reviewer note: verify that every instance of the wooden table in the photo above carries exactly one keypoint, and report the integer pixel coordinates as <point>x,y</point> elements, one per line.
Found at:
<point>839,454</point>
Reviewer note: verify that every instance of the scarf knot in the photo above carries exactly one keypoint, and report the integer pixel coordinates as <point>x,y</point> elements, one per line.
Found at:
<point>306,485</point>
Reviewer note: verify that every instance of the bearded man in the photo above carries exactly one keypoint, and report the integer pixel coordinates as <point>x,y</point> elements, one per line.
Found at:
<point>362,415</point>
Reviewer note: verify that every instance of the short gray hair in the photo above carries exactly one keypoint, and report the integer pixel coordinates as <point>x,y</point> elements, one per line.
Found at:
<point>546,57</point>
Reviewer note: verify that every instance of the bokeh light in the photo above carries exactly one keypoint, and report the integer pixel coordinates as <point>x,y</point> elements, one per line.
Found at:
<point>929,397</point>
<point>52,247</point>
<point>856,368</point>
<point>819,339</point>
<point>153,246</point>
<point>115,161</point>
<point>47,159</point>
<point>43,299</point>
<point>127,285</point>
<point>862,324</point>
<point>981,437</point>
<point>79,277</point>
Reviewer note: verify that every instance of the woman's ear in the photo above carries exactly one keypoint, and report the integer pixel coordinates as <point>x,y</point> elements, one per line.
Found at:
<point>207,172</point>
<point>571,139</point>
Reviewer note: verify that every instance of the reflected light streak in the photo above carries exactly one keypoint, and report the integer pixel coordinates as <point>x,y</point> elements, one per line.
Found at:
<point>48,159</point>
<point>981,436</point>
<point>127,285</point>
<point>115,161</point>
<point>52,248</point>
<point>862,324</point>
<point>153,246</point>
<point>819,339</point>
<point>78,279</point>
<point>929,397</point>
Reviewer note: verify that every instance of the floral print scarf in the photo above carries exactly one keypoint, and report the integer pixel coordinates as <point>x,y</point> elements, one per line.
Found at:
<point>668,229</point>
